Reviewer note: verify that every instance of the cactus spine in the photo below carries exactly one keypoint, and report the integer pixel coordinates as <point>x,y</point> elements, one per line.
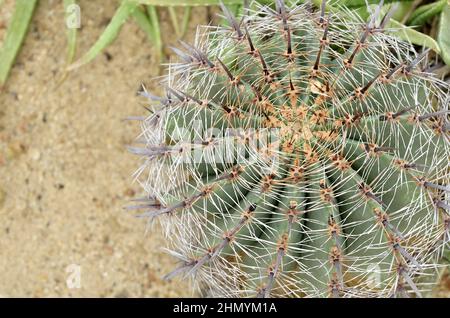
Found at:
<point>298,153</point>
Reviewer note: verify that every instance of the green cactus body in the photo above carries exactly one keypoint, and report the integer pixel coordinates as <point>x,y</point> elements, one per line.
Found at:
<point>299,154</point>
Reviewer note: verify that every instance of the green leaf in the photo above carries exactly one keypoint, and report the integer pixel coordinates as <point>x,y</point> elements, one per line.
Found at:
<point>71,33</point>
<point>15,35</point>
<point>180,30</point>
<point>144,23</point>
<point>150,27</point>
<point>362,3</point>
<point>444,34</point>
<point>112,30</point>
<point>183,3</point>
<point>413,36</point>
<point>174,18</point>
<point>423,13</point>
<point>186,18</point>
<point>402,32</point>
<point>154,20</point>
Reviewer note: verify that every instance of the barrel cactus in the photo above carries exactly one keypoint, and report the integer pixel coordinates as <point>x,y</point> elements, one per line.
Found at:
<point>299,153</point>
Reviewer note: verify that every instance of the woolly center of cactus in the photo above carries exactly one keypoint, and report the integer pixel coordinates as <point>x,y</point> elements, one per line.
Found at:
<point>298,122</point>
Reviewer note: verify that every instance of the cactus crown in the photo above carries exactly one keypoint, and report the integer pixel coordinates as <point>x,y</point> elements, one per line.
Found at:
<point>299,153</point>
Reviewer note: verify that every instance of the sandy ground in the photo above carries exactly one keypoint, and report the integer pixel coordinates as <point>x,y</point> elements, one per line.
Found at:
<point>65,174</point>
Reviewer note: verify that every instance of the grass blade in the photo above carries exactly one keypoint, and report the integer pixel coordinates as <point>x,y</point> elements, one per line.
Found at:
<point>112,30</point>
<point>363,3</point>
<point>144,23</point>
<point>150,25</point>
<point>415,37</point>
<point>180,30</point>
<point>71,33</point>
<point>174,19</point>
<point>154,20</point>
<point>424,13</point>
<point>444,34</point>
<point>15,35</point>
<point>186,18</point>
<point>403,32</point>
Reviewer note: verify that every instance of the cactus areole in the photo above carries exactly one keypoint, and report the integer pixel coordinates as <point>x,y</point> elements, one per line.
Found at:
<point>299,153</point>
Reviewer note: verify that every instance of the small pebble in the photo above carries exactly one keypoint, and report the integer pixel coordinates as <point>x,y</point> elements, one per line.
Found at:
<point>35,154</point>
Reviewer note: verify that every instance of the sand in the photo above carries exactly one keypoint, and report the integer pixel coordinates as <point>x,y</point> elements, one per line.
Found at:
<point>65,174</point>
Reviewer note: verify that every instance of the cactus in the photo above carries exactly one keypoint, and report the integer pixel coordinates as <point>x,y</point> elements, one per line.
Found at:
<point>299,153</point>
